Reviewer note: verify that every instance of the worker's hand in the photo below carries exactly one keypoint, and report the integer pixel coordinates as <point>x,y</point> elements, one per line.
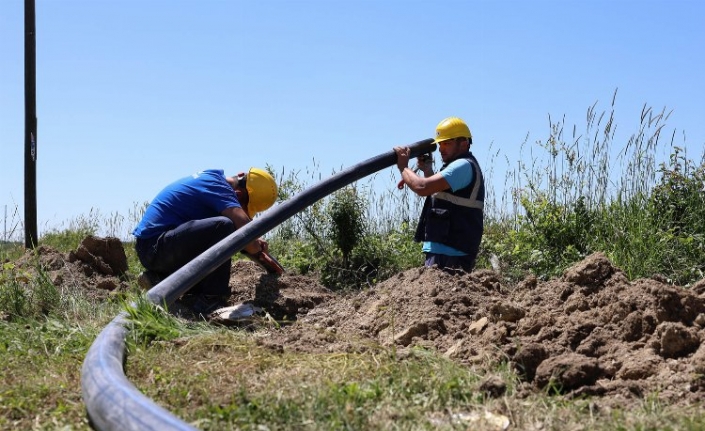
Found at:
<point>402,157</point>
<point>266,261</point>
<point>424,163</point>
<point>264,246</point>
<point>256,246</point>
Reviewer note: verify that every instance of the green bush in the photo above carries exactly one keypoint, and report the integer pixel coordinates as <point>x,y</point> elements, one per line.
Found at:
<point>677,211</point>
<point>347,223</point>
<point>548,238</point>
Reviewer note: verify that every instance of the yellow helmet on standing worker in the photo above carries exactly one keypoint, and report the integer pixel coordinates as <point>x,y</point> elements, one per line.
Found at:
<point>451,128</point>
<point>261,190</point>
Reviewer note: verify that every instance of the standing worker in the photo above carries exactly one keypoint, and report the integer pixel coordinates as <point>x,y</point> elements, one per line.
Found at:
<point>194,213</point>
<point>452,219</point>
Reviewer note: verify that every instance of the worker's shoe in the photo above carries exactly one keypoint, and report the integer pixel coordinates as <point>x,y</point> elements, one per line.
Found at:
<point>202,305</point>
<point>148,279</point>
<point>238,314</point>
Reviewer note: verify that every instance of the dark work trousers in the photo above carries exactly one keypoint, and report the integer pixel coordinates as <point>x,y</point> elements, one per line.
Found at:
<point>173,249</point>
<point>451,263</point>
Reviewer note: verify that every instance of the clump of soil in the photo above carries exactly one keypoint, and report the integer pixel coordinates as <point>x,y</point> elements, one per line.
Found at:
<point>98,265</point>
<point>589,332</point>
<point>285,297</point>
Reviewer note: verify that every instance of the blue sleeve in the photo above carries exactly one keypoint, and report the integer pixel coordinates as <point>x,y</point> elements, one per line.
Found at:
<point>202,195</point>
<point>459,174</point>
<point>215,191</point>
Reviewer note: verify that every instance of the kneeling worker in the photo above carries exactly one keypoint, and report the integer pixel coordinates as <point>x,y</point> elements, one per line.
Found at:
<point>194,213</point>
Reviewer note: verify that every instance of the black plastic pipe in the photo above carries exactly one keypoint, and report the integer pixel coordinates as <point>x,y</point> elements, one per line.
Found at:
<point>112,402</point>
<point>178,283</point>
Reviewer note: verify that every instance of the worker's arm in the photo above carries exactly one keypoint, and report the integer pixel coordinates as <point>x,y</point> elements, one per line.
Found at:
<point>424,186</point>
<point>240,218</point>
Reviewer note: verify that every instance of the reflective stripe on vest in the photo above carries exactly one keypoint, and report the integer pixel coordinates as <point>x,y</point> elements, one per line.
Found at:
<point>470,202</point>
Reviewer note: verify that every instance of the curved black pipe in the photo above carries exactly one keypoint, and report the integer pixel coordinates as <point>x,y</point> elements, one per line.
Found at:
<point>112,402</point>
<point>178,283</point>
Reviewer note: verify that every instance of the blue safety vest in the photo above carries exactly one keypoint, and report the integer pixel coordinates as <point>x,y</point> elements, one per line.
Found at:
<point>455,218</point>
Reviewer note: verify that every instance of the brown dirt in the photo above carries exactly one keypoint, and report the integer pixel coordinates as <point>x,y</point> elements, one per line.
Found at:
<point>99,265</point>
<point>589,332</point>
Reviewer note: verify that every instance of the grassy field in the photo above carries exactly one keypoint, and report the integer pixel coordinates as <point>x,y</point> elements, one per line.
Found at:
<point>565,206</point>
<point>217,378</point>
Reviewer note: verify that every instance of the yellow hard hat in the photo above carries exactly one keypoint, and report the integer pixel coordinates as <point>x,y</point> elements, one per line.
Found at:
<point>261,189</point>
<point>451,128</point>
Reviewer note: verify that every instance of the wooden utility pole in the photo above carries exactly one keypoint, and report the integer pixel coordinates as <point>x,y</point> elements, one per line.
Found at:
<point>30,122</point>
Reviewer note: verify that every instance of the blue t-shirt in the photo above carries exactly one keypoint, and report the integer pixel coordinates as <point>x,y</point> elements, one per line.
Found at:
<point>202,195</point>
<point>458,174</point>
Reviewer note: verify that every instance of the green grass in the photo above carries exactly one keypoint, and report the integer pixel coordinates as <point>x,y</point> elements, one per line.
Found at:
<point>235,384</point>
<point>42,357</point>
<point>42,360</point>
<point>338,391</point>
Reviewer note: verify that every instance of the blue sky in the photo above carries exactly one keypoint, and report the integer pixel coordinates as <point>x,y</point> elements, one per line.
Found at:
<point>132,94</point>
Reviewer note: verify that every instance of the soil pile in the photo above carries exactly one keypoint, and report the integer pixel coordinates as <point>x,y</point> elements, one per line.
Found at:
<point>589,332</point>
<point>98,265</point>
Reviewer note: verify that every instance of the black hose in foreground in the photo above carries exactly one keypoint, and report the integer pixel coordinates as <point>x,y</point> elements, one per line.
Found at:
<point>112,402</point>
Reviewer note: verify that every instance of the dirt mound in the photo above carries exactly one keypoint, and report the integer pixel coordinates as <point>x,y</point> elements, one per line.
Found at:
<point>589,332</point>
<point>98,265</point>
